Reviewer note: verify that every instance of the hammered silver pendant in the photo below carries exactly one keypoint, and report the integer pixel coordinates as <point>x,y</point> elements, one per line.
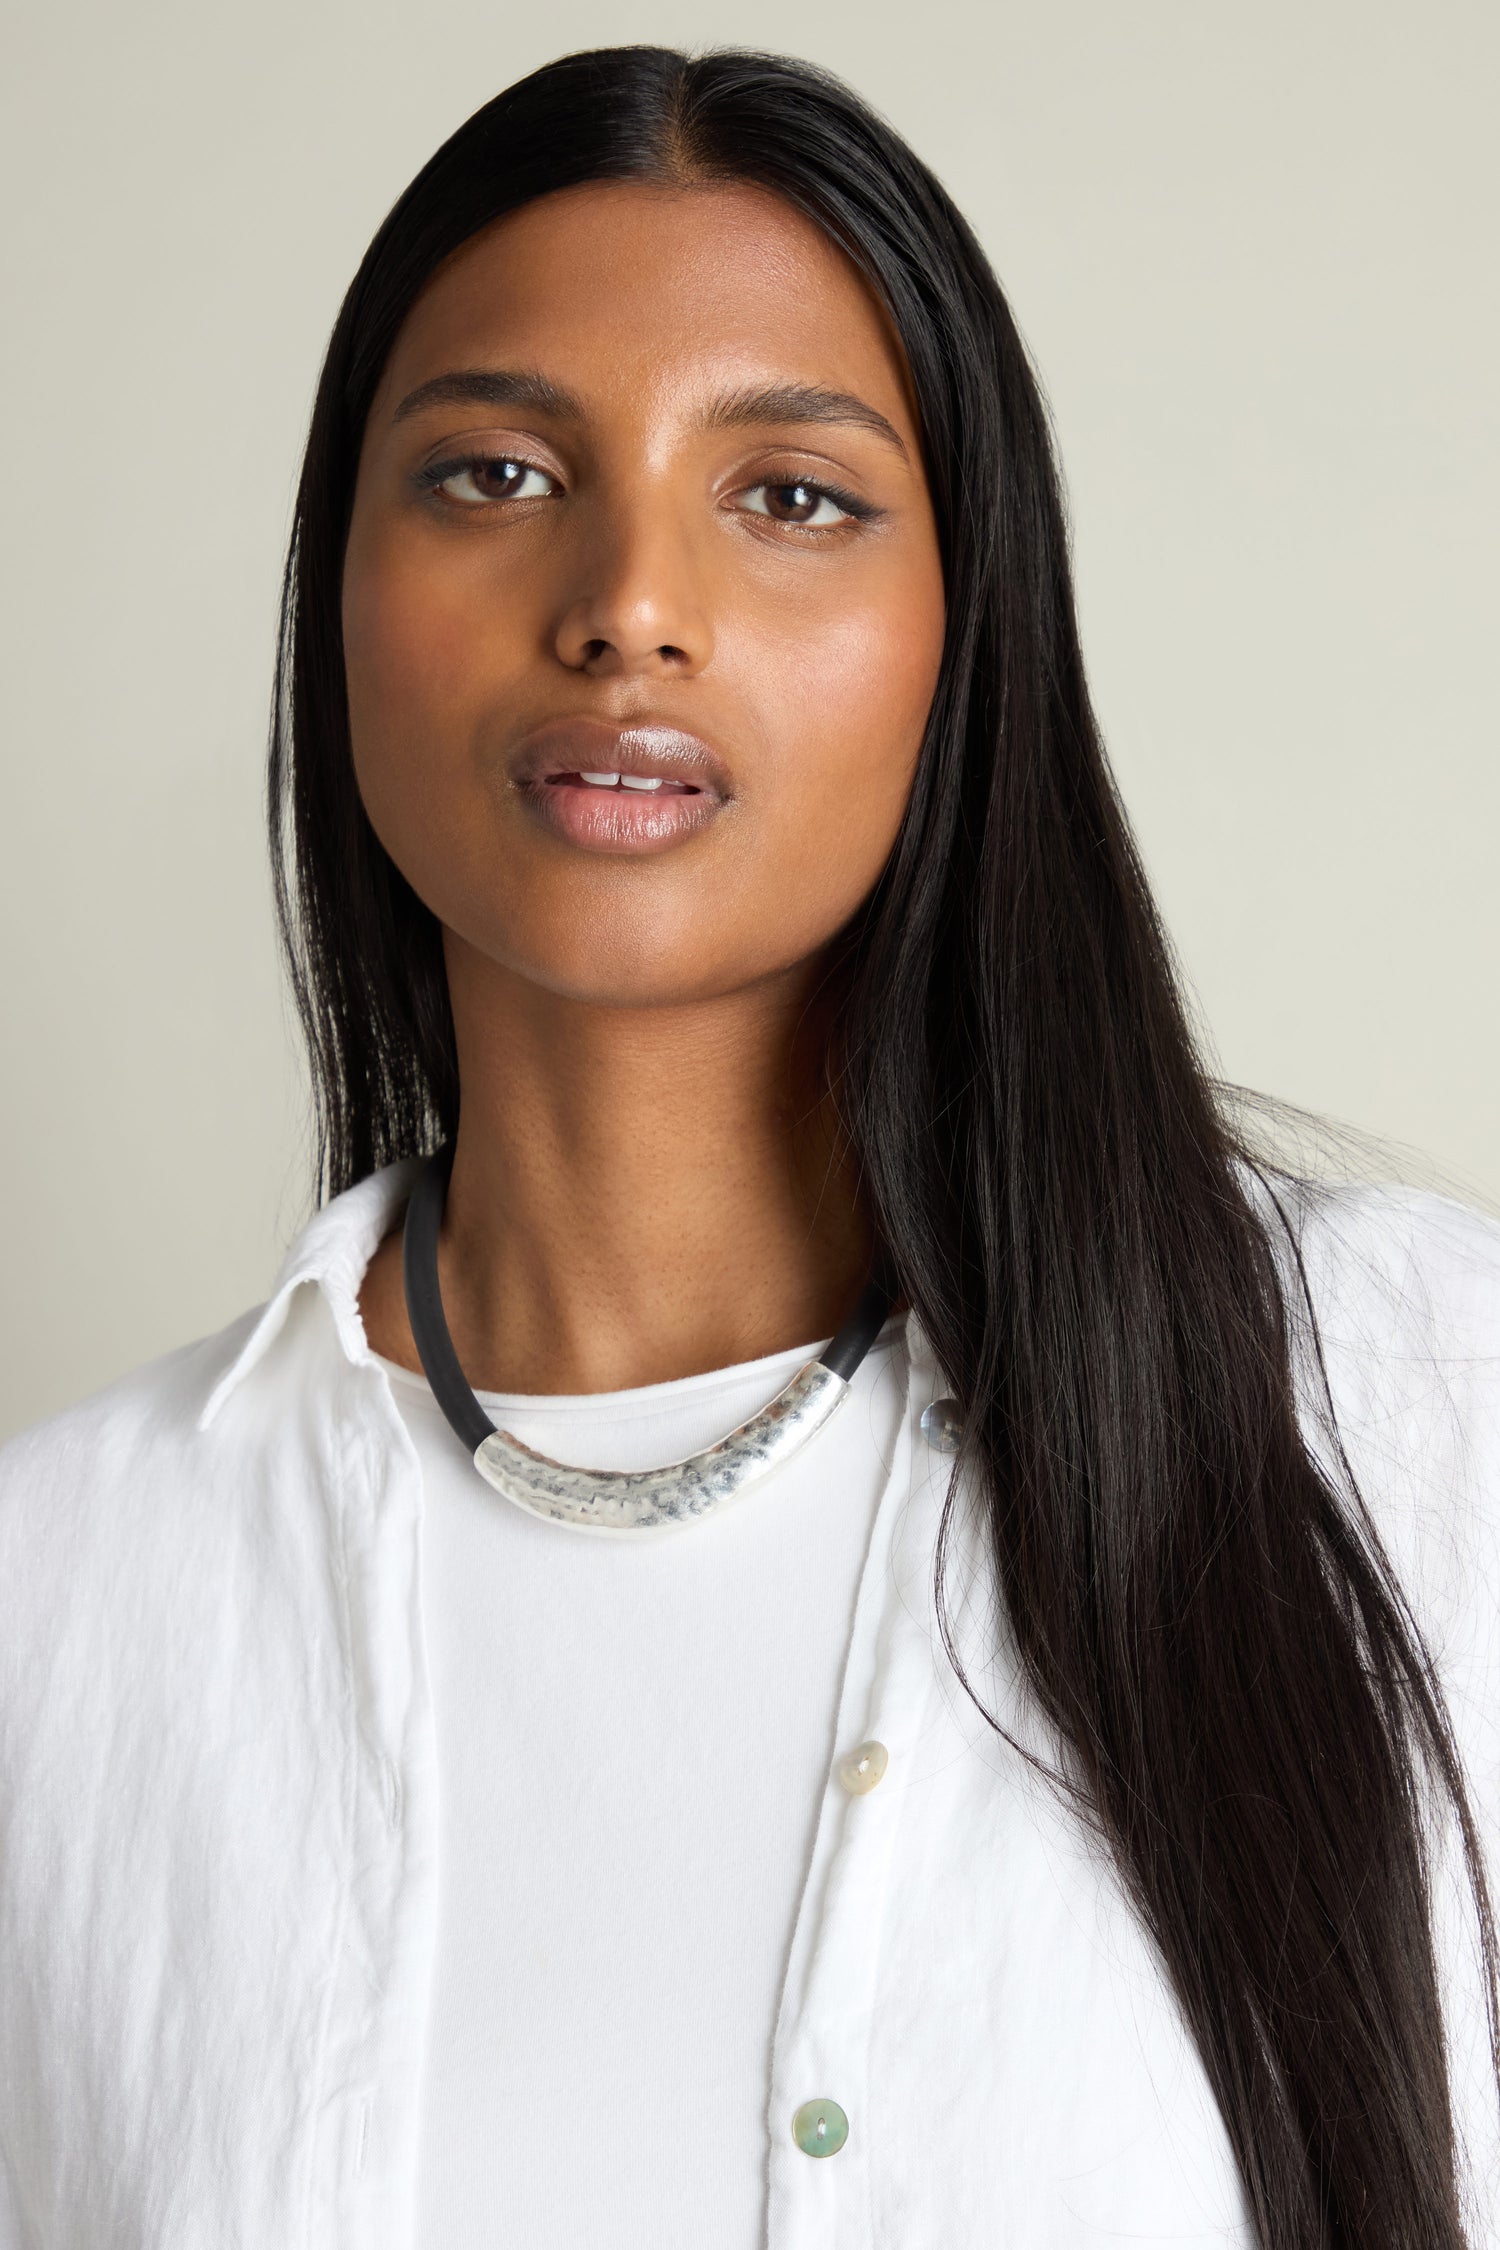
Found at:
<point>637,1502</point>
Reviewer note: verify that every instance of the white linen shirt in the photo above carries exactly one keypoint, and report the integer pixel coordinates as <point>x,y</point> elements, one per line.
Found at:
<point>218,1817</point>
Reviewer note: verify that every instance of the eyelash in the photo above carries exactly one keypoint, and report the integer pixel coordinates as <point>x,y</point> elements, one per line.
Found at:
<point>861,511</point>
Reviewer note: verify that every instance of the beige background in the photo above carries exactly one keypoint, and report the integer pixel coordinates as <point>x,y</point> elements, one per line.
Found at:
<point>1254,253</point>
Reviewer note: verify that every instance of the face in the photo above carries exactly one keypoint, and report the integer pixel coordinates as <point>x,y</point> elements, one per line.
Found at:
<point>642,604</point>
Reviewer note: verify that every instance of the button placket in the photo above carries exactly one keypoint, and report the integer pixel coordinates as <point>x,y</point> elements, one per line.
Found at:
<point>390,1922</point>
<point>823,2037</point>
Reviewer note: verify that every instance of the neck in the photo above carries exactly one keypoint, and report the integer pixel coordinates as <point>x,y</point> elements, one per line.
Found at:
<point>638,1194</point>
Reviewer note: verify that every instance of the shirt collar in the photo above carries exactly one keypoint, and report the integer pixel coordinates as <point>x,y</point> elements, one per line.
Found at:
<point>331,1252</point>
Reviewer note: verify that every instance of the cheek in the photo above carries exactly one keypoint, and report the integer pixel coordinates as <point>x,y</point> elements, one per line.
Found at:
<point>407,651</point>
<point>423,662</point>
<point>851,694</point>
<point>405,731</point>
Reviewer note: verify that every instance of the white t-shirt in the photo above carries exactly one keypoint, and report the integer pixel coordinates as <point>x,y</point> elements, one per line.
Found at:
<point>633,1743</point>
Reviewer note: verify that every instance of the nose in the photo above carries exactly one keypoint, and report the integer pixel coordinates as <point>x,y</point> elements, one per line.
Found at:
<point>636,604</point>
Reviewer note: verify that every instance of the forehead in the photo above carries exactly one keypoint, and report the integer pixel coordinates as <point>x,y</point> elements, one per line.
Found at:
<point>619,286</point>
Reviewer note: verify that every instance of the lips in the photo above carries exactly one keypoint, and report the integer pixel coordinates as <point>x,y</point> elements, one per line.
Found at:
<point>611,788</point>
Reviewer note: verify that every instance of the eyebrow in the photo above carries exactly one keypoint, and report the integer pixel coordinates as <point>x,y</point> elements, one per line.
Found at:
<point>800,402</point>
<point>770,404</point>
<point>492,386</point>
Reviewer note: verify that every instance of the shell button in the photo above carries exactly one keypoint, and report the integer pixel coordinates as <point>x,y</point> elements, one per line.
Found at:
<point>942,1426</point>
<point>860,1769</point>
<point>820,2128</point>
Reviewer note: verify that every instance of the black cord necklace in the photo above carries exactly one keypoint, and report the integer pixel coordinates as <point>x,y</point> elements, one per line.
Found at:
<point>618,1500</point>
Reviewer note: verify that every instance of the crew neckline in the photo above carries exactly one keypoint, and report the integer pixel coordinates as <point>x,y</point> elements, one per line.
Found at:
<point>647,1398</point>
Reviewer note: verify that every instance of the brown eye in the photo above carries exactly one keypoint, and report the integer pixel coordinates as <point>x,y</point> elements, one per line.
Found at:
<point>795,503</point>
<point>492,477</point>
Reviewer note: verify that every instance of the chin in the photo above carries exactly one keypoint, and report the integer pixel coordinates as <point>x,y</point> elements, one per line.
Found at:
<point>613,977</point>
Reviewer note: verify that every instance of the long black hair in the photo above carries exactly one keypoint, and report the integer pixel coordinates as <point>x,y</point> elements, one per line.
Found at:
<point>1246,1707</point>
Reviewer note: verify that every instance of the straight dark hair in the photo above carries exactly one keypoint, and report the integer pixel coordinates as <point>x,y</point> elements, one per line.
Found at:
<point>1246,1708</point>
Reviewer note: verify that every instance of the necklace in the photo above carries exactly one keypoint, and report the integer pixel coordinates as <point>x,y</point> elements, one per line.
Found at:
<point>619,1500</point>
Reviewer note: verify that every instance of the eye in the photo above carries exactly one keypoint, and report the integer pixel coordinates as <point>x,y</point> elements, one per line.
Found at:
<point>482,477</point>
<point>817,506</point>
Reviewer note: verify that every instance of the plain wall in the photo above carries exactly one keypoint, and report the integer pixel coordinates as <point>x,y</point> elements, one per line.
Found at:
<point>1253,253</point>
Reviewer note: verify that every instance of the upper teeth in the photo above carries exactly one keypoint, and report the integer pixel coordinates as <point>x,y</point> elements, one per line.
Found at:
<point>622,780</point>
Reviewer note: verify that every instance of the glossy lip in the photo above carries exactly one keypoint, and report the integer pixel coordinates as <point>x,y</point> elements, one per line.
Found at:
<point>546,768</point>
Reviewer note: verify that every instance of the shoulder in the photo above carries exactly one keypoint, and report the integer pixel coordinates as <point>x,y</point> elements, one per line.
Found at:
<point>1392,1261</point>
<point>1393,1303</point>
<point>116,1486</point>
<point>94,1501</point>
<point>150,1548</point>
<point>1397,1288</point>
<point>1394,1295</point>
<point>1402,1292</point>
<point>194,1409</point>
<point>154,1408</point>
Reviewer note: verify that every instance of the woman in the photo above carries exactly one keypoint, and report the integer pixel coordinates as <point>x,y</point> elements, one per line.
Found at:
<point>694,827</point>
